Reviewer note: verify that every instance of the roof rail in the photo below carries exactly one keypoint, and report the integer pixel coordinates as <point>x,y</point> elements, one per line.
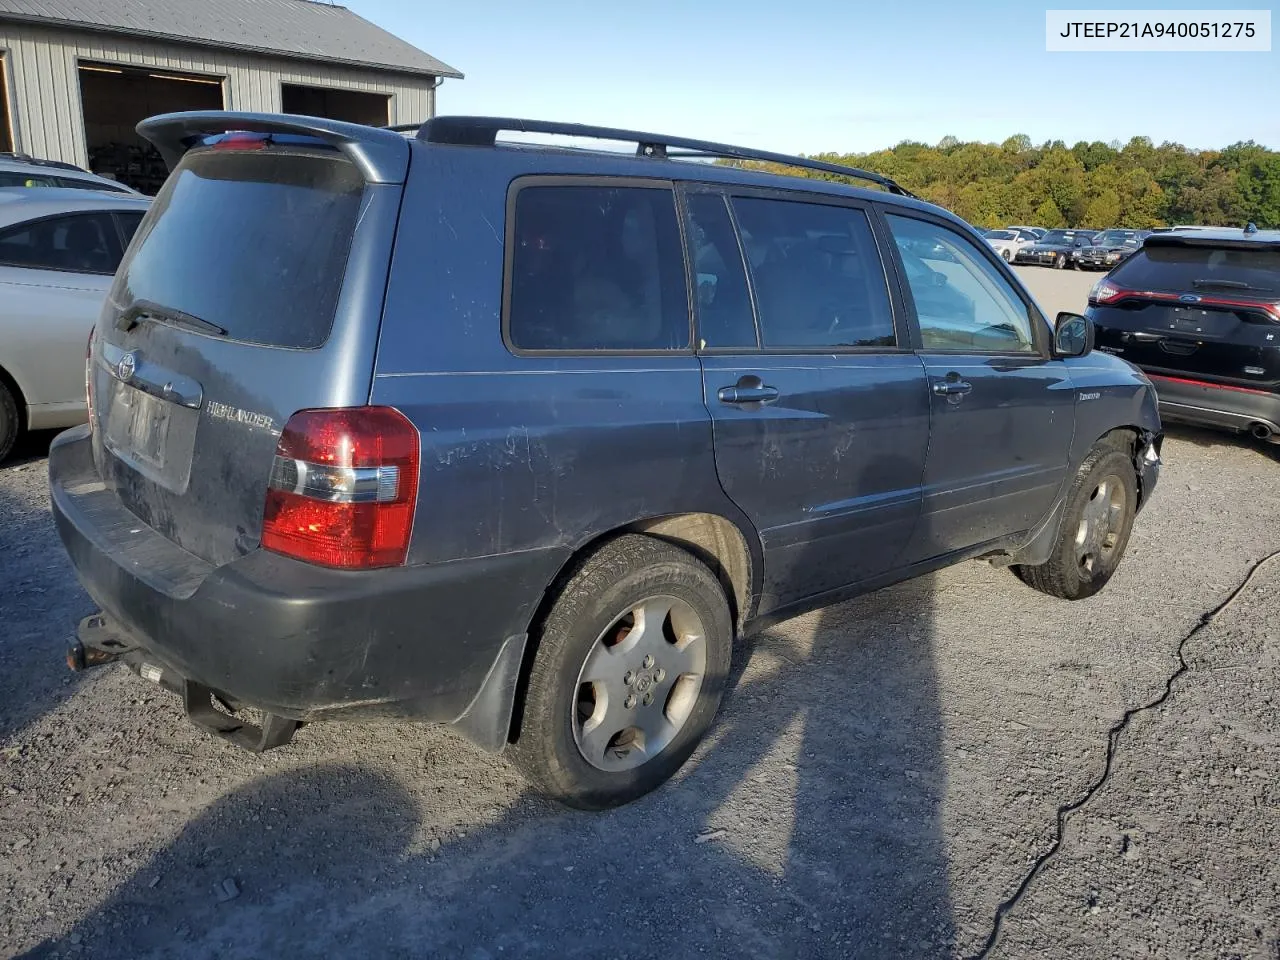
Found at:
<point>483,132</point>
<point>381,155</point>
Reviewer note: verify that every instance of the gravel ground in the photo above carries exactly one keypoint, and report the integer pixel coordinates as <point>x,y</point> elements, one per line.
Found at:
<point>884,776</point>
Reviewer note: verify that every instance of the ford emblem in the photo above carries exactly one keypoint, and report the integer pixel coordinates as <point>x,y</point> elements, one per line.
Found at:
<point>1189,298</point>
<point>127,367</point>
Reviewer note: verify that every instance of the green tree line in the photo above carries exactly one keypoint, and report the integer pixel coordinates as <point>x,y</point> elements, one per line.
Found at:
<point>1096,184</point>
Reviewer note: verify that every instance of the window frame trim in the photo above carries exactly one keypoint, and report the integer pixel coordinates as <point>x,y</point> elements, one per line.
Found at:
<point>901,329</point>
<point>1039,324</point>
<point>115,234</point>
<point>524,182</point>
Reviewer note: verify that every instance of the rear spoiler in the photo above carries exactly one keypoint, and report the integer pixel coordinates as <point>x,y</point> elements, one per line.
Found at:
<point>1197,238</point>
<point>381,155</point>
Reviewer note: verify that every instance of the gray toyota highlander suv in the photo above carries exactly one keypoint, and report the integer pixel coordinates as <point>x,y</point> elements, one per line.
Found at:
<point>523,439</point>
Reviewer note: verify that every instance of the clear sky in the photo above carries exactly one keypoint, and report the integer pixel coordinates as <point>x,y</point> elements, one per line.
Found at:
<point>836,75</point>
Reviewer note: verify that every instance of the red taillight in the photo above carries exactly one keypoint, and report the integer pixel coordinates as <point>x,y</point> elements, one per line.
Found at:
<point>344,485</point>
<point>241,141</point>
<point>1106,292</point>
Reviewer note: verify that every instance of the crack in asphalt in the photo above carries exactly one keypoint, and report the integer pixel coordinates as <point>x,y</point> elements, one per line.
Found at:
<point>1113,737</point>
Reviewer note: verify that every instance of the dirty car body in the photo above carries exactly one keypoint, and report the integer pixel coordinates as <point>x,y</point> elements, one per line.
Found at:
<point>804,461</point>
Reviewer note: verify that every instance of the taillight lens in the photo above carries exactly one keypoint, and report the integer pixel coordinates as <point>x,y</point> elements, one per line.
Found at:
<point>1105,292</point>
<point>344,485</point>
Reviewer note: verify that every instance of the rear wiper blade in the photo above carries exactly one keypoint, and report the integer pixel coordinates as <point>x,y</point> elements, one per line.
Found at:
<point>1230,285</point>
<point>147,310</point>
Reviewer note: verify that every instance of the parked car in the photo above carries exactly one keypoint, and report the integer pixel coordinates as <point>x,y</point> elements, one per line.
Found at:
<point>18,170</point>
<point>1199,311</point>
<point>319,479</point>
<point>1008,242</point>
<point>58,250</point>
<point>1108,248</point>
<point>1055,248</point>
<point>1038,231</point>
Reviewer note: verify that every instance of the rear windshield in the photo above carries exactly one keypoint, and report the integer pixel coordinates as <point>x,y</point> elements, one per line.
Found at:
<point>1192,268</point>
<point>254,243</point>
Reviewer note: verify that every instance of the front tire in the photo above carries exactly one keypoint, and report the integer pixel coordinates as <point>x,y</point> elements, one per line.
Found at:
<point>1008,257</point>
<point>1095,528</point>
<point>628,674</point>
<point>10,422</point>
<point>1060,262</point>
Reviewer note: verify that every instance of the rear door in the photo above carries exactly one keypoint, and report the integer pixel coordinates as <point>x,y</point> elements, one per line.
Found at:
<point>1003,412</point>
<point>54,276</point>
<point>820,411</point>
<point>253,289</point>
<point>1193,307</point>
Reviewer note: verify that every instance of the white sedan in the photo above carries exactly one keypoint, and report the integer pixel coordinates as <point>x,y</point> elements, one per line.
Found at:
<point>1007,243</point>
<point>59,249</point>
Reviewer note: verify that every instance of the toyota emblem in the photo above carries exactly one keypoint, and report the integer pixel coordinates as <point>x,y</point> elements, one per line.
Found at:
<point>127,366</point>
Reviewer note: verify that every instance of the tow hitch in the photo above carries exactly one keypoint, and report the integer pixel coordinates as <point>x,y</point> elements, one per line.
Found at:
<point>103,646</point>
<point>100,642</point>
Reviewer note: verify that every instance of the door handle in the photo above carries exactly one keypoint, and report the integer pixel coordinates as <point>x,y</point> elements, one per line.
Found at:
<point>952,388</point>
<point>744,394</point>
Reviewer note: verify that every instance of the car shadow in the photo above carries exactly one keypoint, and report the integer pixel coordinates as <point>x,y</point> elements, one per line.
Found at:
<point>808,825</point>
<point>1208,439</point>
<point>37,588</point>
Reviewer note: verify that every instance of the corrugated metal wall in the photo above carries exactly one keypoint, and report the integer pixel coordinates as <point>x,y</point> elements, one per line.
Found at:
<point>45,85</point>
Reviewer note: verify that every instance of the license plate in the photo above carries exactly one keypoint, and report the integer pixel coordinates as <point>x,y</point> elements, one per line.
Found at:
<point>143,426</point>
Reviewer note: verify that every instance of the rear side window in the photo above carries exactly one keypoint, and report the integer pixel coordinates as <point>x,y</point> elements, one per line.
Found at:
<point>725,318</point>
<point>13,178</point>
<point>80,243</point>
<point>818,277</point>
<point>253,242</point>
<point>596,267</point>
<point>1189,268</point>
<point>76,184</point>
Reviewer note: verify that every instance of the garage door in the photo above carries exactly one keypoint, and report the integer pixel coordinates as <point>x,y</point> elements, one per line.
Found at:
<point>117,97</point>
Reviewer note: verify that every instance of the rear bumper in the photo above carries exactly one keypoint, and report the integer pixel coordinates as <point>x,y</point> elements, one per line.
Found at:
<point>1185,401</point>
<point>303,642</point>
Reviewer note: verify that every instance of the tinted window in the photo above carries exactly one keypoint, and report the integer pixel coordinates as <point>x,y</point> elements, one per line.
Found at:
<point>818,277</point>
<point>13,178</point>
<point>82,243</point>
<point>88,185</point>
<point>597,268</point>
<point>128,225</point>
<point>725,318</point>
<point>962,301</point>
<point>255,243</point>
<point>1218,270</point>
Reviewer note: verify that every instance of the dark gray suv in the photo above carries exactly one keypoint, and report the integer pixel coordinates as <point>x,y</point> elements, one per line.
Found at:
<point>522,439</point>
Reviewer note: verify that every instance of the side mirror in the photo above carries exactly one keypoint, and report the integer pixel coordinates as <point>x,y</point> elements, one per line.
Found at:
<point>1072,335</point>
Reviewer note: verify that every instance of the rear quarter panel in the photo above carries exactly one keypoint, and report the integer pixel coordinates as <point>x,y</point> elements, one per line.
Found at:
<point>45,319</point>
<point>523,452</point>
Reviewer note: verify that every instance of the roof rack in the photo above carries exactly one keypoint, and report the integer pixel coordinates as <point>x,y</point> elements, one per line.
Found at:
<point>40,162</point>
<point>403,127</point>
<point>483,132</point>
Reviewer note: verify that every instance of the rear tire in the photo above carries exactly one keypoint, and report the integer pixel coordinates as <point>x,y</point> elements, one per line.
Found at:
<point>637,599</point>
<point>10,422</point>
<point>1095,528</point>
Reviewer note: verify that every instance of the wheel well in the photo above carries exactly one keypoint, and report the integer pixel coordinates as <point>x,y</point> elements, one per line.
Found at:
<point>18,399</point>
<point>1130,441</point>
<point>715,541</point>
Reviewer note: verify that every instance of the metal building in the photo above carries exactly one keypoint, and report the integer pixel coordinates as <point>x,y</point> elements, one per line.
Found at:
<point>76,76</point>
